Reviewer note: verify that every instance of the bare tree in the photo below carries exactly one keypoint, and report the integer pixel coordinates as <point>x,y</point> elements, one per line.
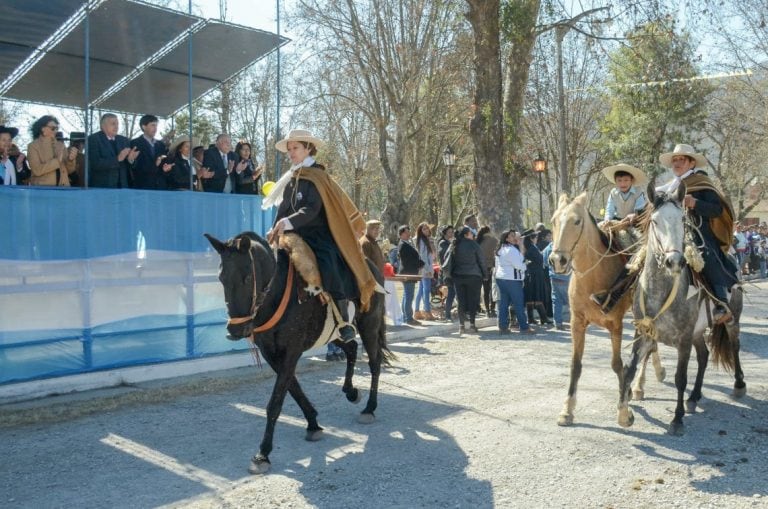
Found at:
<point>390,49</point>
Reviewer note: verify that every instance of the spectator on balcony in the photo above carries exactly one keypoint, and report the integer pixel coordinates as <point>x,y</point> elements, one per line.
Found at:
<point>246,176</point>
<point>14,169</point>
<point>221,161</point>
<point>150,170</point>
<point>201,172</point>
<point>180,159</point>
<point>110,156</point>
<point>46,154</point>
<point>75,160</point>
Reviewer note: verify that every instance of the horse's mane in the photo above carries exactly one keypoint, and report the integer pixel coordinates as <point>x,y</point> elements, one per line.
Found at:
<point>255,236</point>
<point>583,202</point>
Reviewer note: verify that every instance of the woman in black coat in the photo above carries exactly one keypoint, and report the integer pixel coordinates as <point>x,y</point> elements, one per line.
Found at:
<point>179,155</point>
<point>246,179</point>
<point>534,286</point>
<point>466,269</point>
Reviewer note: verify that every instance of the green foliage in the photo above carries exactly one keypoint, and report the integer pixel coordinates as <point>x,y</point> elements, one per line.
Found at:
<point>203,128</point>
<point>517,19</point>
<point>653,101</point>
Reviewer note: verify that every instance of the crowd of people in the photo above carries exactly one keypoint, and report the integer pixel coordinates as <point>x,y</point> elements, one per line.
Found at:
<point>505,277</point>
<point>115,161</point>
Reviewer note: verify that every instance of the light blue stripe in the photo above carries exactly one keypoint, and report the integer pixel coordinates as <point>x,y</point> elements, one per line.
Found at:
<point>68,224</point>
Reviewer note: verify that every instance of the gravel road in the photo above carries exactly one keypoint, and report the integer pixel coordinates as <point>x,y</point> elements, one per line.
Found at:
<point>462,422</point>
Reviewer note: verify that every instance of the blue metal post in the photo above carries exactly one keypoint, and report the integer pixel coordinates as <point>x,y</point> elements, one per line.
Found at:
<point>277,119</point>
<point>87,88</point>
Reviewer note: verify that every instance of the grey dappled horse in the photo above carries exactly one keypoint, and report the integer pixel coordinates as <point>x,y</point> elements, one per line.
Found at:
<point>668,310</point>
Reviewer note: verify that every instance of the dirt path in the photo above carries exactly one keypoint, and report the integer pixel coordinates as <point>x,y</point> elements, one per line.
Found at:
<point>462,422</point>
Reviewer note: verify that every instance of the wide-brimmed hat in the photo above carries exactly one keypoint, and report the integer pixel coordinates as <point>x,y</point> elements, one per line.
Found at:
<point>681,149</point>
<point>637,173</point>
<point>178,141</point>
<point>298,135</point>
<point>10,130</point>
<point>373,222</point>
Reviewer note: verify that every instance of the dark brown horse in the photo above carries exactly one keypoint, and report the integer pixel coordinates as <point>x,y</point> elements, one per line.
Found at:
<point>255,282</point>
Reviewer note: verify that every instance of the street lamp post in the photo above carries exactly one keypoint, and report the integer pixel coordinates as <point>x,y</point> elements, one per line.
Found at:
<point>449,160</point>
<point>540,166</point>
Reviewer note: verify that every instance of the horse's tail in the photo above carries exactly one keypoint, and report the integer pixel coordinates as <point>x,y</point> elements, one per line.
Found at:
<point>722,348</point>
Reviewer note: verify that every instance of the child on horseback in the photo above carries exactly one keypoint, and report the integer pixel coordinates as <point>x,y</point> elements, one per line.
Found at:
<point>625,202</point>
<point>310,204</point>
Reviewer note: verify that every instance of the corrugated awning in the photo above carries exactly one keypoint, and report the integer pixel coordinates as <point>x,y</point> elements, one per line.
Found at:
<point>26,25</point>
<point>138,55</point>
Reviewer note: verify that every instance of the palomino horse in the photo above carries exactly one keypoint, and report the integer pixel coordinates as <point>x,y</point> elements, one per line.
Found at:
<point>256,286</point>
<point>667,309</point>
<point>579,244</point>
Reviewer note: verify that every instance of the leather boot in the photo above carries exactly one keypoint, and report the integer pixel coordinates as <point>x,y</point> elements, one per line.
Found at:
<point>347,332</point>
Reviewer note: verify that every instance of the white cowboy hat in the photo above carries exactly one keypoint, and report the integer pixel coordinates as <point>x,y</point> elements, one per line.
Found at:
<point>682,149</point>
<point>298,135</point>
<point>178,141</point>
<point>637,173</point>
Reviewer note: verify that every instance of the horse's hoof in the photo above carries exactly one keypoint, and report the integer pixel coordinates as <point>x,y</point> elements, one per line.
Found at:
<point>638,395</point>
<point>313,435</point>
<point>259,465</point>
<point>355,396</point>
<point>626,420</point>
<point>676,429</point>
<point>366,418</point>
<point>565,420</point>
<point>690,407</point>
<point>661,374</point>
<point>739,392</point>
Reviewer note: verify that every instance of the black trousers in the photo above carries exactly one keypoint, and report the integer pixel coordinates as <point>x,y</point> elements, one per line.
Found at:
<point>468,296</point>
<point>488,302</point>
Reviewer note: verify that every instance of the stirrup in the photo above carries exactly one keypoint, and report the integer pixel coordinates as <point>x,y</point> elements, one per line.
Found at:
<point>347,333</point>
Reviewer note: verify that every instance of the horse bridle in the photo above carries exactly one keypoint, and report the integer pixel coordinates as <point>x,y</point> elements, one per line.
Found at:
<point>242,319</point>
<point>660,253</point>
<point>281,307</point>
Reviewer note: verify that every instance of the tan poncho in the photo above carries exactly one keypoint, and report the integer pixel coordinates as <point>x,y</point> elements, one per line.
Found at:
<point>345,222</point>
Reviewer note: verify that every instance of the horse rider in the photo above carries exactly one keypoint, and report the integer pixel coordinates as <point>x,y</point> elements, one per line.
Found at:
<point>711,213</point>
<point>626,202</point>
<point>310,204</point>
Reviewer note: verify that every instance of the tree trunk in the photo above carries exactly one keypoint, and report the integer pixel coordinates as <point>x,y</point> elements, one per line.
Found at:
<point>486,125</point>
<point>522,36</point>
<point>396,212</point>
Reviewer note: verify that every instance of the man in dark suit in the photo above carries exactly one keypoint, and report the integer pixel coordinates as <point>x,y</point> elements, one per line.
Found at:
<point>109,155</point>
<point>150,171</point>
<point>220,160</point>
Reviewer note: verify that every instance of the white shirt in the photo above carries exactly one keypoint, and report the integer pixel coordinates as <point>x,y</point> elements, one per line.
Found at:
<point>510,263</point>
<point>10,173</point>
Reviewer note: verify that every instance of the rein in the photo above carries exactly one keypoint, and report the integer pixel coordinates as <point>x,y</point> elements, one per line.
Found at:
<point>280,308</point>
<point>646,325</point>
<point>604,254</point>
